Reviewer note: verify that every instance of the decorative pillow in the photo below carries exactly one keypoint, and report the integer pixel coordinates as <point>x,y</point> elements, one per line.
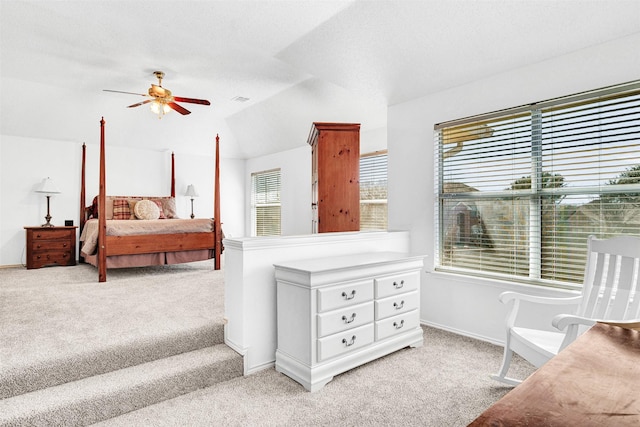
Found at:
<point>169,207</point>
<point>147,209</point>
<point>159,203</point>
<point>121,209</point>
<point>108,207</point>
<point>132,206</point>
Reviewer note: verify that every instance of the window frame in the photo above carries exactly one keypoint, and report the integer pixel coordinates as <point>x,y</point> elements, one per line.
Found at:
<point>268,175</point>
<point>381,153</point>
<point>535,193</point>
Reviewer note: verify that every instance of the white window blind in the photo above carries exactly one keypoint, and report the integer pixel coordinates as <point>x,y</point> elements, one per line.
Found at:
<point>373,191</point>
<point>265,203</point>
<point>520,190</point>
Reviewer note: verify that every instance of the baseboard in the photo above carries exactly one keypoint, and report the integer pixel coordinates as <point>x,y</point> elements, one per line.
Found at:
<point>463,333</point>
<point>254,369</point>
<point>11,266</point>
<point>241,351</point>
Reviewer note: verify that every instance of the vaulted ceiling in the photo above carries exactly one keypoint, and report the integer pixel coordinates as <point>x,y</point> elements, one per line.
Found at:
<point>296,62</point>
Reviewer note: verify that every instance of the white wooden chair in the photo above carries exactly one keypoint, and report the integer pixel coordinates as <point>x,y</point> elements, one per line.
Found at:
<point>610,293</point>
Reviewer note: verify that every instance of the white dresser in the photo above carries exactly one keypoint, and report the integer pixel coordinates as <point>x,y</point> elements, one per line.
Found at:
<point>337,313</point>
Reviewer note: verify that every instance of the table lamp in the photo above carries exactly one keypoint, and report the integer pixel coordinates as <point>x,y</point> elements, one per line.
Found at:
<point>48,188</point>
<point>191,192</point>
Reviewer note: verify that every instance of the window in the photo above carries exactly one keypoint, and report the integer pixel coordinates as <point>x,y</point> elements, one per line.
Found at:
<point>373,191</point>
<point>520,190</point>
<point>265,203</point>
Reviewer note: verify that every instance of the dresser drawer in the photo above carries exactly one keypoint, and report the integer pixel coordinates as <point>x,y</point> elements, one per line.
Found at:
<point>397,324</point>
<point>52,258</point>
<point>342,319</point>
<point>396,304</point>
<point>344,342</point>
<point>396,284</point>
<point>52,234</point>
<point>333,297</point>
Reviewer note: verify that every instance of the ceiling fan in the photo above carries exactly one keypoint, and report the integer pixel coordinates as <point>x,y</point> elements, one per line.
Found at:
<point>161,99</point>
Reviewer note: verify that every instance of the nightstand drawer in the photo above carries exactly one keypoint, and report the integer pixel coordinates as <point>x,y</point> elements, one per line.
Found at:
<point>52,234</point>
<point>52,258</point>
<point>50,245</point>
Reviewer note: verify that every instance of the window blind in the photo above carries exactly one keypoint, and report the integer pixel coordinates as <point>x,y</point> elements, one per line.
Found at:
<point>373,192</point>
<point>520,190</point>
<point>265,203</point>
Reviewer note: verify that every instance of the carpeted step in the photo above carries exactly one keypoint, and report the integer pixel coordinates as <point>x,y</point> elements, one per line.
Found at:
<point>108,395</point>
<point>47,372</point>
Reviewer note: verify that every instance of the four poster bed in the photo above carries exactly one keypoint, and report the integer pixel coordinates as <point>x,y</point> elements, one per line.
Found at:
<point>135,231</point>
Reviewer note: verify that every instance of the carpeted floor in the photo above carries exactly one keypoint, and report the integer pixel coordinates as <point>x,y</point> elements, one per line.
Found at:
<point>53,316</point>
<point>50,313</point>
<point>444,383</point>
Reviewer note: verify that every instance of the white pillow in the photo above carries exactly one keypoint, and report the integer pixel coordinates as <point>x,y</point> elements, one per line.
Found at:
<point>147,209</point>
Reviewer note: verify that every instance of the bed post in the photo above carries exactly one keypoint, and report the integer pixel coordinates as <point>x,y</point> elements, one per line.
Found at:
<point>173,175</point>
<point>216,209</point>
<point>82,187</point>
<point>102,221</point>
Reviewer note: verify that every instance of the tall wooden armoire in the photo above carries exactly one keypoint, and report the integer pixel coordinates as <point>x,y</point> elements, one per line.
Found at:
<point>335,153</point>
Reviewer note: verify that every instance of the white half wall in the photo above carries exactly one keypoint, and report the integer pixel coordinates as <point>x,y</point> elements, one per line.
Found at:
<point>464,304</point>
<point>250,284</point>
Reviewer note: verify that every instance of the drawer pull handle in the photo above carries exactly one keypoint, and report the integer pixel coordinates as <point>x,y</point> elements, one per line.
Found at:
<point>398,306</point>
<point>38,236</point>
<point>346,320</point>
<point>348,297</point>
<point>398,325</point>
<point>38,246</point>
<point>64,245</point>
<point>398,285</point>
<point>349,343</point>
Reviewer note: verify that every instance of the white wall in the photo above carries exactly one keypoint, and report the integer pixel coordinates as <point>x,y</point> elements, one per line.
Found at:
<point>24,162</point>
<point>232,197</point>
<point>295,193</point>
<point>468,305</point>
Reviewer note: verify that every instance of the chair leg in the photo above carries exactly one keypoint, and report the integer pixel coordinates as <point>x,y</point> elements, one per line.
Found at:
<point>501,376</point>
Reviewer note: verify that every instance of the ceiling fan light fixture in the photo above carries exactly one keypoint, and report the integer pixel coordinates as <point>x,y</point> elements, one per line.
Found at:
<point>160,108</point>
<point>161,100</point>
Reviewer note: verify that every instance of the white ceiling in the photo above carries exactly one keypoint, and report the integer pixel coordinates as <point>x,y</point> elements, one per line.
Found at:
<point>297,61</point>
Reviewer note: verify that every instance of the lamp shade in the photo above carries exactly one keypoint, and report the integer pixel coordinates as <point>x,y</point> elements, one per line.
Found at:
<point>191,191</point>
<point>47,186</point>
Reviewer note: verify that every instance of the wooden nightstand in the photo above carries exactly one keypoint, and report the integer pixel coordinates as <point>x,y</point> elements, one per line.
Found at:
<point>51,246</point>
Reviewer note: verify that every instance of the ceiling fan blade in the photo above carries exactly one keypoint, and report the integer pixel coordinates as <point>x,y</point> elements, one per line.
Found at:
<point>178,108</point>
<point>139,103</point>
<point>119,91</point>
<point>192,100</point>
